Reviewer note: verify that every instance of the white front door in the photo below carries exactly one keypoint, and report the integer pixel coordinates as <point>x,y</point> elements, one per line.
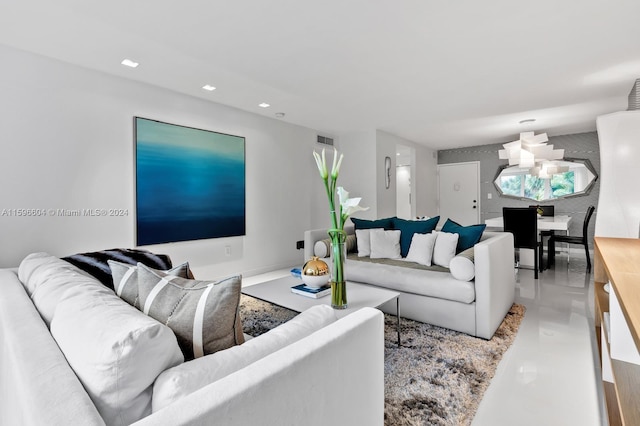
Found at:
<point>459,192</point>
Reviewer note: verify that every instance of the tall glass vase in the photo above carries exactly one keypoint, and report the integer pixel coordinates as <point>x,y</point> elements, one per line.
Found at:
<point>338,257</point>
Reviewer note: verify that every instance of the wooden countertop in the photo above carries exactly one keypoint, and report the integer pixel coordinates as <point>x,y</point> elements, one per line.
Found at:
<point>621,260</point>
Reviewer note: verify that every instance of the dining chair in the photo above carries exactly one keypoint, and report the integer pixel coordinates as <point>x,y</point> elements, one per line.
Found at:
<point>522,222</point>
<point>582,240</point>
<point>547,211</point>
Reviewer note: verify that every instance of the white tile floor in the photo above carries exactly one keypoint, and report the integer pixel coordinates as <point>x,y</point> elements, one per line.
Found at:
<point>548,376</point>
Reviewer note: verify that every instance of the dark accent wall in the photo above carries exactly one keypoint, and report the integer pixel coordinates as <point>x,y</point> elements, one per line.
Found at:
<point>581,145</point>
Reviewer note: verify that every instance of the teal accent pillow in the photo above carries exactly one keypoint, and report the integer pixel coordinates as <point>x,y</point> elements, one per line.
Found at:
<point>371,224</point>
<point>469,236</point>
<point>409,227</point>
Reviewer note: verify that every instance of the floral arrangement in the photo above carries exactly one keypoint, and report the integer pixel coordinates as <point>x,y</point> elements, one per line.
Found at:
<point>347,206</point>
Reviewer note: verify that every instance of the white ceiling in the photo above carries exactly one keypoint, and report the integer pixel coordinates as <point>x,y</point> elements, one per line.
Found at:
<point>442,73</point>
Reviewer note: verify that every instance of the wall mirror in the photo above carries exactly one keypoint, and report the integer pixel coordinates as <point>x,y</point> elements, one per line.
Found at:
<point>517,182</point>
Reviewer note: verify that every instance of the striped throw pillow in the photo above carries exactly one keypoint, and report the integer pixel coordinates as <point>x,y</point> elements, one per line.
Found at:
<point>125,279</point>
<point>202,314</point>
<point>322,248</point>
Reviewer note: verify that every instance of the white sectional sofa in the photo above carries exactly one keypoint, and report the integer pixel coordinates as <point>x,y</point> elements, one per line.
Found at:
<point>434,296</point>
<point>332,374</point>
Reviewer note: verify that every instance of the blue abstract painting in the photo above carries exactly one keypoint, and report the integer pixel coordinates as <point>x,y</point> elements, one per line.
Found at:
<point>190,183</point>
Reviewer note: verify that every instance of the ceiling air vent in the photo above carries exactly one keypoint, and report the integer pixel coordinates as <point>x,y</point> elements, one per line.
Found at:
<point>634,97</point>
<point>325,140</point>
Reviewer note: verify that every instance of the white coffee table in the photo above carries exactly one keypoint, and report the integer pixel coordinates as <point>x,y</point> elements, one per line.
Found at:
<point>359,296</point>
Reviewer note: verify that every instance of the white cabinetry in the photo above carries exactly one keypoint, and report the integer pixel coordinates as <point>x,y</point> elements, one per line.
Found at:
<point>617,322</point>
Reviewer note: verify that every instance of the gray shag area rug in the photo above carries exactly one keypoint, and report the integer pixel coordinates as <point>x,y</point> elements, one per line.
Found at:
<point>437,377</point>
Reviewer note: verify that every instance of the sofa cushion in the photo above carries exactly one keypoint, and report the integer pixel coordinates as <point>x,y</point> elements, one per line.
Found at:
<point>95,263</point>
<point>322,248</point>
<point>125,279</point>
<point>116,351</point>
<point>469,235</point>
<point>385,244</point>
<point>386,223</point>
<point>445,248</point>
<point>421,250</point>
<point>410,227</point>
<point>203,314</point>
<point>46,278</point>
<point>420,280</point>
<point>186,378</point>
<point>462,266</point>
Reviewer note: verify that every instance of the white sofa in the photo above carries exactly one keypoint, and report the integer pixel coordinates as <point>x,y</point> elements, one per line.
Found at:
<point>333,376</point>
<point>475,307</point>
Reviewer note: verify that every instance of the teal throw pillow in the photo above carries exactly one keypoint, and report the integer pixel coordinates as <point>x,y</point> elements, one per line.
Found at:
<point>469,236</point>
<point>409,227</point>
<point>386,223</point>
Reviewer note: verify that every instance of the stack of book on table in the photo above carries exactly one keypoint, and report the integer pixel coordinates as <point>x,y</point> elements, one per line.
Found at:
<point>312,292</point>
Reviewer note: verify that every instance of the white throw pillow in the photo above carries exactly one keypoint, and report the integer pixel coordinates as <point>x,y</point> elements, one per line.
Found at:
<point>116,351</point>
<point>187,378</point>
<point>445,248</point>
<point>462,266</point>
<point>363,237</point>
<point>421,249</point>
<point>385,244</point>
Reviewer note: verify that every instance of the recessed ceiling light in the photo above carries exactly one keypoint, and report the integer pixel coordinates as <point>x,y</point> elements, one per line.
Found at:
<point>264,105</point>
<point>208,87</point>
<point>397,153</point>
<point>527,121</point>
<point>129,63</point>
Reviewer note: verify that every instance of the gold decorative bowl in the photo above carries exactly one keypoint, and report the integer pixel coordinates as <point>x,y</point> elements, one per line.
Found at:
<point>315,273</point>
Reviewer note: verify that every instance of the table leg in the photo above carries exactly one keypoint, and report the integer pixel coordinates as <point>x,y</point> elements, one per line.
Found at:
<point>398,319</point>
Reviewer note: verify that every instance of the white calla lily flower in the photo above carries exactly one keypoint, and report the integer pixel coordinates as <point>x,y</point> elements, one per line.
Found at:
<point>348,206</point>
<point>322,164</point>
<point>336,164</point>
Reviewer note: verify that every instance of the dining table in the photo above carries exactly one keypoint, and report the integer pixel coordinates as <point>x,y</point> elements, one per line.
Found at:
<point>545,223</point>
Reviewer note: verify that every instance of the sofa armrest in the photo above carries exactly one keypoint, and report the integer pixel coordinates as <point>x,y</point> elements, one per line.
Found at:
<point>334,376</point>
<point>494,282</point>
<point>314,235</point>
<point>36,383</point>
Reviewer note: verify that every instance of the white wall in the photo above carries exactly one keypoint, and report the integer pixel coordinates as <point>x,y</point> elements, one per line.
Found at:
<point>386,197</point>
<point>425,182</point>
<point>67,143</point>
<point>423,176</point>
<point>358,171</point>
<point>362,174</point>
<point>618,212</point>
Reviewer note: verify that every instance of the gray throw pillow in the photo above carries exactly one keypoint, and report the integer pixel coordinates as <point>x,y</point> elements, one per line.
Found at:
<point>202,314</point>
<point>125,279</point>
